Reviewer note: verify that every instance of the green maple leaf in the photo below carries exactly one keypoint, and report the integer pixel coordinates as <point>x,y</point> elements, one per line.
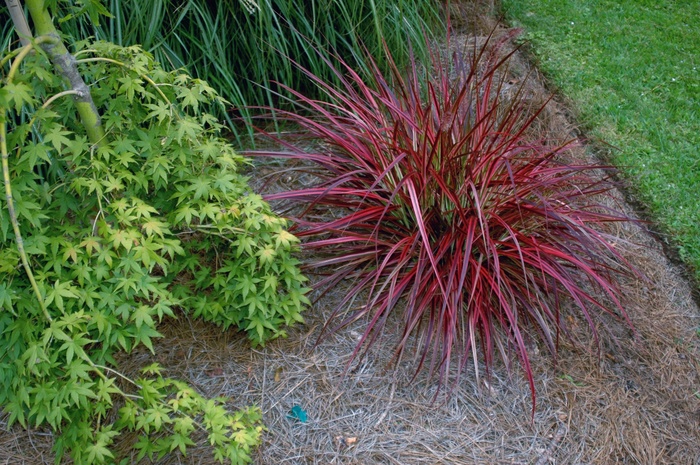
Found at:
<point>155,227</point>
<point>181,441</point>
<point>56,136</point>
<point>91,244</point>
<point>200,187</point>
<point>79,370</point>
<point>17,94</point>
<point>185,213</point>
<point>130,85</point>
<point>34,152</point>
<point>209,210</point>
<point>188,127</point>
<point>94,9</point>
<point>285,239</point>
<point>267,255</point>
<point>98,453</point>
<point>161,110</point>
<point>189,98</point>
<point>144,336</point>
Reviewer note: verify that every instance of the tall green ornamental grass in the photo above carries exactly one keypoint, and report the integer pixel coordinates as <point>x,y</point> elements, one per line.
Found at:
<point>243,48</point>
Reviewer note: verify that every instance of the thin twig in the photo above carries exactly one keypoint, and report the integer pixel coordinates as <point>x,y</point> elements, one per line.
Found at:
<point>558,436</point>
<point>388,404</point>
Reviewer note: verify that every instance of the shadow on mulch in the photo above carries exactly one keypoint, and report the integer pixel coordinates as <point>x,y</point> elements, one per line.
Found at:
<point>636,402</point>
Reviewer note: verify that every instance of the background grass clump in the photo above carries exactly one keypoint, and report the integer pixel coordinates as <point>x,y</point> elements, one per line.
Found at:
<point>632,71</point>
<point>243,48</point>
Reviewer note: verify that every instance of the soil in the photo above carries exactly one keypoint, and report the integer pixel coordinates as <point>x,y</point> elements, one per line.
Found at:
<point>636,401</point>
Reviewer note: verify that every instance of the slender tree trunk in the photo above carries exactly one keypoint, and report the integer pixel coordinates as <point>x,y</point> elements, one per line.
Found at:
<point>66,66</point>
<point>20,22</point>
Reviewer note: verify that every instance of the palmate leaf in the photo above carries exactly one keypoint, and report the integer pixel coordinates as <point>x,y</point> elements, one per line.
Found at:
<point>161,110</point>
<point>30,211</point>
<point>98,453</point>
<point>94,9</point>
<point>74,347</point>
<point>60,291</point>
<point>200,188</point>
<point>16,94</point>
<point>181,441</point>
<point>57,136</point>
<point>189,98</point>
<point>142,315</point>
<point>131,86</point>
<point>185,213</point>
<point>35,152</point>
<point>436,197</point>
<point>155,227</point>
<point>189,128</point>
<point>144,336</point>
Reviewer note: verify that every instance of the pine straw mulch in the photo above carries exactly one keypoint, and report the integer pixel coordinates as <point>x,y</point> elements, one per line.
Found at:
<point>635,403</point>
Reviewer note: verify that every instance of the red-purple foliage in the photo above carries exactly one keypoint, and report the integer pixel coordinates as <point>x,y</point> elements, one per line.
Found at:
<point>440,206</point>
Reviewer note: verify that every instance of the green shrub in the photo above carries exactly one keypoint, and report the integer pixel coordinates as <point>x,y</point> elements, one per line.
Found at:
<point>119,234</point>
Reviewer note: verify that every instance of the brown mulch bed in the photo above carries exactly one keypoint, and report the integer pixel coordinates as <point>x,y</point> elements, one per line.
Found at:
<point>636,402</point>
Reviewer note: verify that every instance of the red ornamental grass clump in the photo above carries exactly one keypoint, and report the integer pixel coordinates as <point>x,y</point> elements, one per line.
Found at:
<point>433,199</point>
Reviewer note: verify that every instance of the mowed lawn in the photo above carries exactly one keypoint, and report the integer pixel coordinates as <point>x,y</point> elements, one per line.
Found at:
<point>632,70</point>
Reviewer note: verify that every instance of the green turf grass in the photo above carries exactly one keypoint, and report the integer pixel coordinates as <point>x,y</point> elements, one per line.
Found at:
<point>632,69</point>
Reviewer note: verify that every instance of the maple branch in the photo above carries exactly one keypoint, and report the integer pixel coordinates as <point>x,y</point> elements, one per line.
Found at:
<point>20,22</point>
<point>66,66</point>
